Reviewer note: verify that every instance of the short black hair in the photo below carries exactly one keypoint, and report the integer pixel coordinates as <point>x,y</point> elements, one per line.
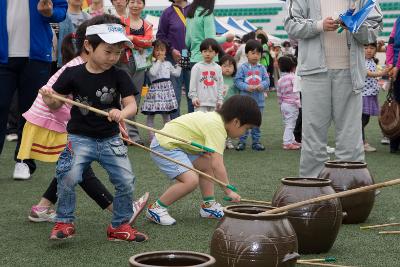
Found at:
<point>242,107</point>
<point>231,59</point>
<point>160,43</point>
<point>375,44</point>
<point>252,45</point>
<point>286,64</point>
<point>95,40</point>
<point>210,42</point>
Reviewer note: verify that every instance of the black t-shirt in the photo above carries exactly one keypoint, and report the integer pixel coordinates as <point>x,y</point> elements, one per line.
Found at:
<point>102,91</point>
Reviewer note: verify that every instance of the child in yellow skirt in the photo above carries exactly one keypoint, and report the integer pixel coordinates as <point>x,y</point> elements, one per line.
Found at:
<point>44,137</point>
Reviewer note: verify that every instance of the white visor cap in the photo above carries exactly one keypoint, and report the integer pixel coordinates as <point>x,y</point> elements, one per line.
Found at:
<point>109,33</point>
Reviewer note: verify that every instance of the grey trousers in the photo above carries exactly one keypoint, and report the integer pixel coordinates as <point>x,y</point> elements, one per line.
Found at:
<point>328,97</point>
<point>138,80</point>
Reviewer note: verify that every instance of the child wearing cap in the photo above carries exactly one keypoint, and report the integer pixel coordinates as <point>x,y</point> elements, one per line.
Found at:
<point>94,138</point>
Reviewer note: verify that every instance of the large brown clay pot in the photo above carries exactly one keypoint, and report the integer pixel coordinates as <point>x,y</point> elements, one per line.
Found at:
<point>316,225</point>
<point>245,238</point>
<point>172,258</point>
<point>346,175</point>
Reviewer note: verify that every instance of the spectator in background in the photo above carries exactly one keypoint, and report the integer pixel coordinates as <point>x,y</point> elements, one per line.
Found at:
<point>172,30</point>
<point>75,17</point>
<point>230,48</point>
<point>200,26</point>
<point>393,62</point>
<point>96,8</point>
<point>241,56</point>
<point>25,59</point>
<point>119,8</point>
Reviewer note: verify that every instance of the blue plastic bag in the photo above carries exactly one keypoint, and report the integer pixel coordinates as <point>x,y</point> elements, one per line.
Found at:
<point>354,21</point>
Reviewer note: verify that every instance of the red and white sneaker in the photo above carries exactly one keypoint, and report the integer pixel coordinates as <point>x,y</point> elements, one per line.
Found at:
<point>62,231</point>
<point>125,232</point>
<point>138,206</point>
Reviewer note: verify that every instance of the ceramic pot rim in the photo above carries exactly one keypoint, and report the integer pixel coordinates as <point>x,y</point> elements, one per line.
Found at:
<point>134,259</point>
<point>229,210</point>
<point>345,164</point>
<point>306,182</point>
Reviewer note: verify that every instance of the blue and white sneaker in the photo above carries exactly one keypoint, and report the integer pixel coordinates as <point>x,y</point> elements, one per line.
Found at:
<point>159,215</point>
<point>211,210</point>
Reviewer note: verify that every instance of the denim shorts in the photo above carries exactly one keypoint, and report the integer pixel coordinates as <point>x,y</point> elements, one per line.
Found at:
<point>171,169</point>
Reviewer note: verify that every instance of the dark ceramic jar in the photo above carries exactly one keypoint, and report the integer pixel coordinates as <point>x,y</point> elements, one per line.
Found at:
<point>246,238</point>
<point>316,225</point>
<point>171,258</point>
<point>347,175</point>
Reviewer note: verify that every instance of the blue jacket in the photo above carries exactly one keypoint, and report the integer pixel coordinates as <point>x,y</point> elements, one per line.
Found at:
<point>252,75</point>
<point>40,32</point>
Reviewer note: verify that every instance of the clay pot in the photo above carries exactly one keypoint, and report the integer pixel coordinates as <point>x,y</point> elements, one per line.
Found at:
<point>346,175</point>
<point>316,225</point>
<point>246,238</point>
<point>171,258</point>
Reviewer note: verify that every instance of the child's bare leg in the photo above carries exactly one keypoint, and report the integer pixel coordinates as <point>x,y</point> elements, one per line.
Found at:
<point>203,163</point>
<point>150,123</point>
<point>185,183</point>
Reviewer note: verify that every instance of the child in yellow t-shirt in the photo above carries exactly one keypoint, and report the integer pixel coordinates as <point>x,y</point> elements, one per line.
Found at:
<point>237,115</point>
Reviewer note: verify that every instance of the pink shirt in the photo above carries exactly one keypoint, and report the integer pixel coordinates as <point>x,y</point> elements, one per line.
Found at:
<point>41,115</point>
<point>285,92</point>
<point>390,51</point>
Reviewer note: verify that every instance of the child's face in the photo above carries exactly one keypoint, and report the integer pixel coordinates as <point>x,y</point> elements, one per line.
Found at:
<point>253,57</point>
<point>227,68</point>
<point>160,52</point>
<point>208,55</point>
<point>135,7</point>
<point>105,55</point>
<point>234,128</point>
<point>370,51</point>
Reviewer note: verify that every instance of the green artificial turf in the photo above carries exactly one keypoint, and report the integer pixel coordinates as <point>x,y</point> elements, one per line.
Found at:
<point>256,175</point>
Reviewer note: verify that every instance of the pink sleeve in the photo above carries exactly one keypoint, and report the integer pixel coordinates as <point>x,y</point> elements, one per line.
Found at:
<point>389,49</point>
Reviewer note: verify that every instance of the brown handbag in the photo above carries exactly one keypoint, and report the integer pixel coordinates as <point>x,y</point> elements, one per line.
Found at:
<point>389,117</point>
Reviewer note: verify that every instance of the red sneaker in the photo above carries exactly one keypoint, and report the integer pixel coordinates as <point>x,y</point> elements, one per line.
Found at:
<point>62,231</point>
<point>125,232</point>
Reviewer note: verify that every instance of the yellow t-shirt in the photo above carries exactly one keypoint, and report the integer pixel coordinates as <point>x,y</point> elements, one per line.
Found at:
<point>207,129</point>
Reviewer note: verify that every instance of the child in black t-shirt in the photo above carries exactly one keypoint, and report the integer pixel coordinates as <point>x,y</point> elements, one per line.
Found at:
<point>94,138</point>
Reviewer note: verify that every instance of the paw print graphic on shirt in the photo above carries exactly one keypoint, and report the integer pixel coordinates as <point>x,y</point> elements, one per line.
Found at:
<point>106,95</point>
<point>84,100</point>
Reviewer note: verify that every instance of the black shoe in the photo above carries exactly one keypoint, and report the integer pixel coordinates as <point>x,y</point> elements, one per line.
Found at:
<point>240,146</point>
<point>258,147</point>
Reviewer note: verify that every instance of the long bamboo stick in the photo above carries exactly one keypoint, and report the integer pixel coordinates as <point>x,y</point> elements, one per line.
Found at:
<point>327,259</point>
<point>389,232</point>
<point>215,180</point>
<point>104,113</point>
<point>304,262</point>
<point>378,226</point>
<point>332,196</point>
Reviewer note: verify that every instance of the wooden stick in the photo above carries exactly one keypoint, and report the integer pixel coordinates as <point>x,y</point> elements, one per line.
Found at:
<point>305,262</point>
<point>327,259</point>
<point>389,232</point>
<point>177,162</point>
<point>331,196</point>
<point>255,201</point>
<point>104,113</point>
<point>378,225</point>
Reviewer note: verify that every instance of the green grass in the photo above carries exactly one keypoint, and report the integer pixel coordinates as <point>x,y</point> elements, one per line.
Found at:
<point>256,174</point>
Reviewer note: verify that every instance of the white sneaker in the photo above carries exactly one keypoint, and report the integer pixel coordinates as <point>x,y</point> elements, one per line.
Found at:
<point>21,171</point>
<point>213,210</point>
<point>330,150</point>
<point>160,216</point>
<point>385,141</point>
<point>12,137</point>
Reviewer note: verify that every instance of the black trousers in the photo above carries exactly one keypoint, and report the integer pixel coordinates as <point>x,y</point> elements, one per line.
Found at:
<point>364,121</point>
<point>93,187</point>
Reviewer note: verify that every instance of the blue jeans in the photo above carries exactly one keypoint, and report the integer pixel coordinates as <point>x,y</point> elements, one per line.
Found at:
<point>177,82</point>
<point>79,153</point>
<point>255,133</point>
<point>25,76</point>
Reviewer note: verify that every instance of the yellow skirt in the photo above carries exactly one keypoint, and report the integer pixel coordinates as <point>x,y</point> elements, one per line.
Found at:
<point>41,144</point>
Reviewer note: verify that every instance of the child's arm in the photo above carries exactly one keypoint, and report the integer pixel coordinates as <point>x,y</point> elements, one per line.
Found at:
<point>264,79</point>
<point>193,86</point>
<point>218,167</point>
<point>175,71</point>
<point>155,68</point>
<point>240,81</point>
<point>377,73</point>
<point>129,110</point>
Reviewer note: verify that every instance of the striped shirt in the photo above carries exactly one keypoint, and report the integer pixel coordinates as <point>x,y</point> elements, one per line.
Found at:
<point>284,90</point>
<point>40,114</point>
